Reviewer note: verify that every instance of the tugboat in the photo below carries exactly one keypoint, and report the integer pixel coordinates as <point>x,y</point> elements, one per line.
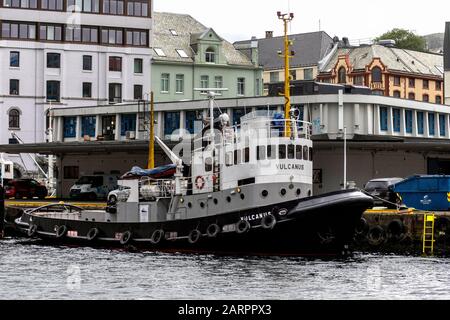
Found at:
<point>244,189</point>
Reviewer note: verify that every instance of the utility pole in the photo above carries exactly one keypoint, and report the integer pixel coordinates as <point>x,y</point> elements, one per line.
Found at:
<point>287,17</point>
<point>151,156</point>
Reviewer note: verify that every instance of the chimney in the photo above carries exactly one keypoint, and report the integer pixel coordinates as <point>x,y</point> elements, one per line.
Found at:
<point>269,34</point>
<point>254,51</point>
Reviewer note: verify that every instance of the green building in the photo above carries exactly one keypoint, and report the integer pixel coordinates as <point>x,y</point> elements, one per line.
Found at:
<point>187,56</point>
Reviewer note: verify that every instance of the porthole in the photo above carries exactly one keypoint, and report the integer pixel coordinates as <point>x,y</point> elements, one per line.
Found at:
<point>291,186</point>
<point>283,192</point>
<point>242,196</point>
<point>264,193</point>
<point>228,199</point>
<point>190,205</point>
<point>299,192</point>
<point>216,201</point>
<point>202,205</point>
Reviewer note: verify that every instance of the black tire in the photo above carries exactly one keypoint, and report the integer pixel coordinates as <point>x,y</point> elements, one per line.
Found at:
<point>61,231</point>
<point>376,236</point>
<point>32,230</point>
<point>112,199</point>
<point>213,230</point>
<point>126,237</point>
<point>362,227</point>
<point>157,236</point>
<point>268,222</point>
<point>242,226</point>
<point>92,234</point>
<point>194,236</point>
<point>396,230</point>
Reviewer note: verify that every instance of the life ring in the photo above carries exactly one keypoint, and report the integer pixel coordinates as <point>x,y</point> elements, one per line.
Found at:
<point>61,231</point>
<point>200,182</point>
<point>32,230</point>
<point>194,236</point>
<point>268,222</point>
<point>213,230</point>
<point>157,236</point>
<point>92,234</point>
<point>376,236</point>
<point>396,230</point>
<point>242,226</point>
<point>125,237</point>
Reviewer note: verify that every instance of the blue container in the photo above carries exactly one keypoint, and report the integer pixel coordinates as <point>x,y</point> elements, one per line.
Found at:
<point>425,192</point>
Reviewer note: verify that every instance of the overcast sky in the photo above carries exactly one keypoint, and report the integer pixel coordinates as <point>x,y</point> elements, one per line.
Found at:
<point>240,19</point>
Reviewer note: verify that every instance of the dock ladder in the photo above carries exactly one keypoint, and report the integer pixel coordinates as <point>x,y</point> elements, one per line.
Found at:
<point>428,233</point>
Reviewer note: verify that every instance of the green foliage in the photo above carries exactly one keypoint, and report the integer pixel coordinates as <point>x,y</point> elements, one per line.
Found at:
<point>405,39</point>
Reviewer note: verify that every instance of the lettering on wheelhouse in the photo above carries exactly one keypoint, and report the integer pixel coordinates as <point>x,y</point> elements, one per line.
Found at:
<point>290,166</point>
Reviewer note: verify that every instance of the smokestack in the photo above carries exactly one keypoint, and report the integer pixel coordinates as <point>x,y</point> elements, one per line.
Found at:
<point>269,34</point>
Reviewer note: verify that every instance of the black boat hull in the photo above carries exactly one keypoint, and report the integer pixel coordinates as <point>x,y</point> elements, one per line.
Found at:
<point>318,226</point>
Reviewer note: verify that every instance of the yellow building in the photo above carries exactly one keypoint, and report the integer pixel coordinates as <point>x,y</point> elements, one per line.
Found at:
<point>388,71</point>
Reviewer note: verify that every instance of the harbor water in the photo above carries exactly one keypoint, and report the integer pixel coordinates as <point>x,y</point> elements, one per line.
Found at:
<point>34,271</point>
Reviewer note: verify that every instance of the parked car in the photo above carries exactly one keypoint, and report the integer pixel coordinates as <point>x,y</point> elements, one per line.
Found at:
<point>93,187</point>
<point>120,192</point>
<point>25,188</point>
<point>381,189</point>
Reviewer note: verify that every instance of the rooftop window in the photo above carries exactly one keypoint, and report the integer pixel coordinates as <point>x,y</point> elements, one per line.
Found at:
<point>173,32</point>
<point>182,53</point>
<point>160,52</point>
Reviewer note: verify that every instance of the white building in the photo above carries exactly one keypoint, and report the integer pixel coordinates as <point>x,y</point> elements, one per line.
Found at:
<point>69,53</point>
<point>447,63</point>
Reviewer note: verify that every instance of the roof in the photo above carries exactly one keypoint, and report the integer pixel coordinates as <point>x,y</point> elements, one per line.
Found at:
<point>447,47</point>
<point>309,49</point>
<point>394,59</point>
<point>186,26</point>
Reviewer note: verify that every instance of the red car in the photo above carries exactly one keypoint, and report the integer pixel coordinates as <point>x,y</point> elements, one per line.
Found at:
<point>25,188</point>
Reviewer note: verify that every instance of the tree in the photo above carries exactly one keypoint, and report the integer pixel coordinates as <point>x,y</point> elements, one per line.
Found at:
<point>405,39</point>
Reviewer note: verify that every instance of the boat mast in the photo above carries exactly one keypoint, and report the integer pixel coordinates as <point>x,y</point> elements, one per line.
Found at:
<point>287,17</point>
<point>151,149</point>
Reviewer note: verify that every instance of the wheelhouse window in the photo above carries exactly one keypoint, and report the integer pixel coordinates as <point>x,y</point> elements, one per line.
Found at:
<point>113,6</point>
<point>53,90</point>
<point>14,87</point>
<point>14,119</point>
<point>261,153</point>
<point>210,55</point>
<point>53,60</point>
<point>376,75</point>
<point>50,32</point>
<point>291,151</point>
<point>282,151</point>
<point>342,75</point>
<point>115,93</point>
<point>14,59</point>
<point>298,152</point>
<point>115,64</point>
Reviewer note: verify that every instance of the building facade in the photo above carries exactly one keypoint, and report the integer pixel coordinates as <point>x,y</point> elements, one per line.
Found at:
<point>447,63</point>
<point>309,49</point>
<point>69,53</point>
<point>388,71</point>
<point>187,56</point>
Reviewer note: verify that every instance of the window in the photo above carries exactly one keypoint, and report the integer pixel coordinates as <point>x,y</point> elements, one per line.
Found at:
<point>73,34</point>
<point>52,5</point>
<point>50,32</point>
<point>298,152</point>
<point>89,34</point>
<point>442,125</point>
<point>396,81</point>
<point>14,59</point>
<point>115,64</point>
<point>210,55</point>
<point>241,86</point>
<point>305,153</point>
<point>438,85</point>
<point>113,6</point>
<point>194,121</point>
<point>412,83</point>
<point>229,159</point>
<point>87,63</point>
<point>159,52</point>
<point>397,94</point>
<point>87,90</point>
<point>137,8</point>
<point>70,127</point>
<point>291,151</point>
<point>383,119</point>
<point>293,74</point>
<point>411,96</point>
<point>204,82</point>
<point>173,32</point>
<point>88,126</point>
<point>378,92</point>
<point>138,65</point>
<point>438,99</point>
<point>282,151</point>
<point>115,93</point>
<point>53,90</point>
<point>431,125</point>
<point>137,92</point>
<point>274,76</point>
<point>420,126</point>
<point>426,84</point>
<point>261,153</point>
<point>14,119</point>
<point>426,98</point>
<point>377,75</point>
<point>71,172</point>
<point>165,80</point>
<point>179,83</point>
<point>11,30</point>
<point>408,121</point>
<point>358,80</point>
<point>53,60</point>
<point>218,82</point>
<point>83,6</point>
<point>14,87</point>
<point>396,119</point>
<point>237,157</point>
<point>112,36</point>
<point>171,122</point>
<point>246,155</point>
<point>20,3</point>
<point>127,123</point>
<point>136,38</point>
<point>308,74</point>
<point>182,53</point>
<point>342,77</point>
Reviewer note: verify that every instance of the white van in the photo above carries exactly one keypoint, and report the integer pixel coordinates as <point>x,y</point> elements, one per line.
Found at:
<point>93,187</point>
